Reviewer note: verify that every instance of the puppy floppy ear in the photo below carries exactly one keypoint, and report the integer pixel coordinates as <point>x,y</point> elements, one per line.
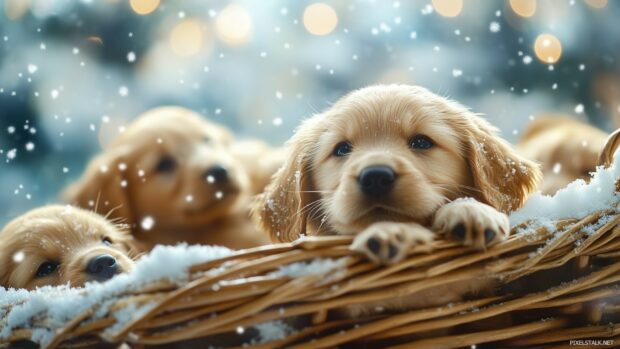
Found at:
<point>283,208</point>
<point>103,187</point>
<point>503,177</point>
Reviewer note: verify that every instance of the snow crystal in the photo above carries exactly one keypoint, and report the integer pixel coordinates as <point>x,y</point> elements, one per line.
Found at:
<point>147,223</point>
<point>557,167</point>
<point>494,27</point>
<point>273,331</point>
<point>29,146</point>
<point>131,57</point>
<point>527,59</point>
<point>54,93</point>
<point>11,154</point>
<point>277,121</point>
<point>32,68</point>
<point>123,91</point>
<point>579,108</point>
<point>219,195</point>
<point>18,256</point>
<point>457,72</point>
<point>578,199</point>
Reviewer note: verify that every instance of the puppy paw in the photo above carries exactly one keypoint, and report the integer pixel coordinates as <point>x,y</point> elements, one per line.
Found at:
<point>388,242</point>
<point>471,222</point>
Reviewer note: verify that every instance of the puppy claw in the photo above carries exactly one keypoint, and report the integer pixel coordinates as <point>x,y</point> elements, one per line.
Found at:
<point>471,222</point>
<point>388,243</point>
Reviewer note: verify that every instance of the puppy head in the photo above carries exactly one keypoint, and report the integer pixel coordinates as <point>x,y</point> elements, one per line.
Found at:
<point>56,245</point>
<point>566,148</point>
<point>392,153</point>
<point>171,165</point>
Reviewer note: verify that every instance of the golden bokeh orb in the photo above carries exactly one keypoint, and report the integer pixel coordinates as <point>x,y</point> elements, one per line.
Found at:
<point>143,7</point>
<point>448,8</point>
<point>548,48</point>
<point>524,8</point>
<point>597,3</point>
<point>233,25</point>
<point>15,9</point>
<point>186,38</point>
<point>320,19</point>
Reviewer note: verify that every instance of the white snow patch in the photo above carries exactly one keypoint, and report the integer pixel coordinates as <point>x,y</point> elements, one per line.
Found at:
<point>20,308</point>
<point>578,199</point>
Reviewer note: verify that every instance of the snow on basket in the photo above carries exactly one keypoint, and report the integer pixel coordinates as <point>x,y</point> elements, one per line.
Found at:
<point>559,282</point>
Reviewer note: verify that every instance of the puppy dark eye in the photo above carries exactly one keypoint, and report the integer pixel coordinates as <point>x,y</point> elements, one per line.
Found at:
<point>165,165</point>
<point>106,241</point>
<point>342,149</point>
<point>421,142</point>
<point>46,269</point>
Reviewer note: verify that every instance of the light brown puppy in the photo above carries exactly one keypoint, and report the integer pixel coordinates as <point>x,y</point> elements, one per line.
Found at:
<point>174,177</point>
<point>56,245</point>
<point>387,162</point>
<point>567,149</point>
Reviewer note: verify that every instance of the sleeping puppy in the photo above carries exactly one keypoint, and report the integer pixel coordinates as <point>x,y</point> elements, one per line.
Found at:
<point>56,245</point>
<point>385,163</point>
<point>174,177</point>
<point>567,149</point>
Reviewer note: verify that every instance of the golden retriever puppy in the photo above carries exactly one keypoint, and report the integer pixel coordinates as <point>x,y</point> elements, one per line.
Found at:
<point>174,177</point>
<point>385,163</point>
<point>56,245</point>
<point>567,149</point>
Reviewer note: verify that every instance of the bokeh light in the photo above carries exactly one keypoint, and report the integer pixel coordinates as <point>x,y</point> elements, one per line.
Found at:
<point>548,48</point>
<point>320,19</point>
<point>524,8</point>
<point>186,38</point>
<point>234,25</point>
<point>15,9</point>
<point>597,3</point>
<point>144,7</point>
<point>448,8</point>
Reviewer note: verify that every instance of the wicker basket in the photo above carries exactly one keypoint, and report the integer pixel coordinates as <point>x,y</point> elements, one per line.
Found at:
<point>218,307</point>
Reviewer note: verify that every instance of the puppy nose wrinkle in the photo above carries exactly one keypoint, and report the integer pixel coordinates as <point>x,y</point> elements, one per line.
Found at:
<point>376,181</point>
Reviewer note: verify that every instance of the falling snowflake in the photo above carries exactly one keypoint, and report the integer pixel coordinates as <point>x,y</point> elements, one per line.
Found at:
<point>32,68</point>
<point>147,223</point>
<point>19,256</point>
<point>123,91</point>
<point>131,57</point>
<point>579,108</point>
<point>495,27</point>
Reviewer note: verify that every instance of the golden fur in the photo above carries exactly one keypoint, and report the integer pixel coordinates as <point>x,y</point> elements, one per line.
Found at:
<point>317,193</point>
<point>157,168</point>
<point>559,143</point>
<point>68,236</point>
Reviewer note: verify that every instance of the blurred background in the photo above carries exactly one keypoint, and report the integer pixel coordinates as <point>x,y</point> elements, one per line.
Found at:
<point>74,73</point>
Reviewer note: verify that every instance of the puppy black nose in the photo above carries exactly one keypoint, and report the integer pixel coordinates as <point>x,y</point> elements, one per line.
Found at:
<point>376,181</point>
<point>216,173</point>
<point>102,267</point>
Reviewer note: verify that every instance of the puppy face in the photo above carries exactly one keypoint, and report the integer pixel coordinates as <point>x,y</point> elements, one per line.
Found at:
<point>171,165</point>
<point>566,148</point>
<point>390,153</point>
<point>57,245</point>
